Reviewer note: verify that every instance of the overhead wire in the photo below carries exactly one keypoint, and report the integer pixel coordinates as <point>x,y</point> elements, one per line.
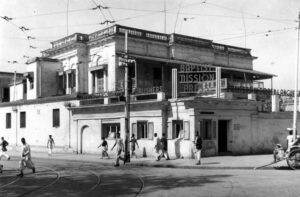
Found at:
<point>99,7</point>
<point>266,33</point>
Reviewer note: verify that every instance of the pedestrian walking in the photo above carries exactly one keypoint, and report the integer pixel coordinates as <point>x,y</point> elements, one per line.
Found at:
<point>164,147</point>
<point>25,158</point>
<point>104,148</point>
<point>157,147</point>
<point>133,142</point>
<point>3,151</point>
<point>198,148</point>
<point>50,145</point>
<point>120,148</point>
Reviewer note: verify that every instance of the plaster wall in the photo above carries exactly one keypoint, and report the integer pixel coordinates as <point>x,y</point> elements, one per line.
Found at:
<point>48,77</point>
<point>32,93</point>
<point>16,93</point>
<point>38,126</point>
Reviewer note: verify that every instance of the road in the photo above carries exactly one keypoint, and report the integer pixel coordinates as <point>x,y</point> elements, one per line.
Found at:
<point>74,178</point>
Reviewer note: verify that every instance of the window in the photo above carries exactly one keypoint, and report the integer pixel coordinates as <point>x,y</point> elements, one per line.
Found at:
<point>143,129</point>
<point>22,119</point>
<point>31,82</point>
<point>8,120</point>
<point>174,128</point>
<point>72,79</point>
<point>5,94</point>
<point>208,129</point>
<point>56,118</point>
<point>62,83</point>
<point>157,76</point>
<point>109,130</point>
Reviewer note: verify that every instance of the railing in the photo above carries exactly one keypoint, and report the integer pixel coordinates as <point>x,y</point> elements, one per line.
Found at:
<point>230,49</point>
<point>239,83</point>
<point>77,37</point>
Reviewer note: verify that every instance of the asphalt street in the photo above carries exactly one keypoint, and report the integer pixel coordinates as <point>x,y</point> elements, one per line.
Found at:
<point>77,178</point>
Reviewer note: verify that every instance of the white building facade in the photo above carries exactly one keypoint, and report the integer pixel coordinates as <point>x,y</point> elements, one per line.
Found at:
<point>75,92</point>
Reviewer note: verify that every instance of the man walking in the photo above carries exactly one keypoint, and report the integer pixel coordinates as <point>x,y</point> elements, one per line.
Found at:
<point>50,145</point>
<point>3,151</point>
<point>198,148</point>
<point>157,147</point>
<point>120,148</point>
<point>133,141</point>
<point>164,146</point>
<point>25,158</point>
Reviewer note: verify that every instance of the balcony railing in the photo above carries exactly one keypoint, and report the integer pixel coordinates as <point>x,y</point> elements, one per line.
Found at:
<point>243,84</point>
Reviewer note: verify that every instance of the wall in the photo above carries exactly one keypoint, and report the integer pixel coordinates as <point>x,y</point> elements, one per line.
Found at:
<point>269,129</point>
<point>48,78</point>
<point>32,93</point>
<point>16,93</point>
<point>38,126</point>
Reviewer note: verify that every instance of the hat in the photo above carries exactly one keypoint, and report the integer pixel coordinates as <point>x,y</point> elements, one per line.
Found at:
<point>289,129</point>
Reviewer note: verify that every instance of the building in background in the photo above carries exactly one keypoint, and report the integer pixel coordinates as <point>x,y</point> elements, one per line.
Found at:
<point>178,85</point>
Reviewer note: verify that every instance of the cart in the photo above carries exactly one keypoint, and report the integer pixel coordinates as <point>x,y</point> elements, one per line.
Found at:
<point>293,157</point>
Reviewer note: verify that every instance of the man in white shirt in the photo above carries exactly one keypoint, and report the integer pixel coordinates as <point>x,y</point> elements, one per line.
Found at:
<point>25,158</point>
<point>120,148</point>
<point>290,139</point>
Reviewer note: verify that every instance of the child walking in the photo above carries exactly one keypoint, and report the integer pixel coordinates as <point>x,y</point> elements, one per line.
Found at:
<point>104,148</point>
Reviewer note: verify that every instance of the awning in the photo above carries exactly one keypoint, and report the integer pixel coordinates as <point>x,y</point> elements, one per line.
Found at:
<point>258,74</point>
<point>102,66</point>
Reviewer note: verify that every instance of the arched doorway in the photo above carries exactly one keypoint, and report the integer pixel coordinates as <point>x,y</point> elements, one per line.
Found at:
<point>89,140</point>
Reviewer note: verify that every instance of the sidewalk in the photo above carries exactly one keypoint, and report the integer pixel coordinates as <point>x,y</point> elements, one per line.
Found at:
<point>217,162</point>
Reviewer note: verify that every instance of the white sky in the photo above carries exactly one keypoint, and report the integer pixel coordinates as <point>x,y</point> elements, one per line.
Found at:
<point>270,26</point>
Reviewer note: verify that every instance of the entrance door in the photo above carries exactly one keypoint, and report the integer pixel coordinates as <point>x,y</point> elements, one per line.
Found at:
<point>222,135</point>
<point>89,140</point>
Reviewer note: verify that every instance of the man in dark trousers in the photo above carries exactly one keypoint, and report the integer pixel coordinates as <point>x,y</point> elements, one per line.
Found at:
<point>164,146</point>
<point>3,151</point>
<point>198,148</point>
<point>25,158</point>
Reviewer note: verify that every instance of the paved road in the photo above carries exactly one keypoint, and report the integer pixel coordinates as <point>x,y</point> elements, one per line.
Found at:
<point>75,178</point>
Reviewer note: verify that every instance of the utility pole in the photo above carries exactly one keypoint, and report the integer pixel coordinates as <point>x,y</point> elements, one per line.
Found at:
<point>165,17</point>
<point>296,86</point>
<point>127,102</point>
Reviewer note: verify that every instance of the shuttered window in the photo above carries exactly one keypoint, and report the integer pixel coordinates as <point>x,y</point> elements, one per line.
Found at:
<point>170,131</point>
<point>144,129</point>
<point>208,129</point>
<point>8,120</point>
<point>134,129</point>
<point>150,130</point>
<point>56,118</point>
<point>186,128</point>
<point>22,119</point>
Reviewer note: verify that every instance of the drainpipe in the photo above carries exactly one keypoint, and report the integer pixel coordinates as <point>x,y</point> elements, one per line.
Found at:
<point>16,111</point>
<point>40,80</point>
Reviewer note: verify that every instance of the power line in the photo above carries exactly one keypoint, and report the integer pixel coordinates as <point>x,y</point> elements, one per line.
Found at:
<point>99,7</point>
<point>266,33</point>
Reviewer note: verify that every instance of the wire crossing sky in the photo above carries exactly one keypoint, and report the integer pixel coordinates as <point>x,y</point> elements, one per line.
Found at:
<point>269,28</point>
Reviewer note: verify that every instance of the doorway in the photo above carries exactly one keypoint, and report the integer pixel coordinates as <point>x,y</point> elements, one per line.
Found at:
<point>223,135</point>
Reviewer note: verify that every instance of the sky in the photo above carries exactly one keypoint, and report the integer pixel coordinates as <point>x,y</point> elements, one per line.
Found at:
<point>268,28</point>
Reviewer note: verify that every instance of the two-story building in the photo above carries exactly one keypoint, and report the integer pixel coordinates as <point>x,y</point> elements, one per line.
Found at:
<point>178,85</point>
